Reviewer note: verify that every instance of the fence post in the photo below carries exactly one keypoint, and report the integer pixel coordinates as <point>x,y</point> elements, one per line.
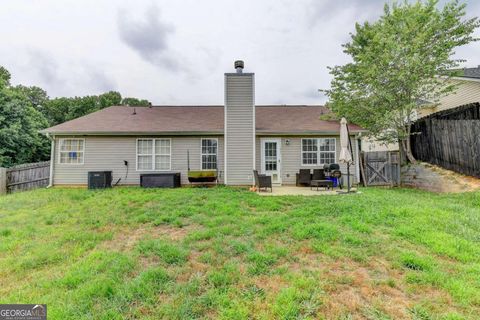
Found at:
<point>3,180</point>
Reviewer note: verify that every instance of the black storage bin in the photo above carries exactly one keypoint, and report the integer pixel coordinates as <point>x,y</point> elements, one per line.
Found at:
<point>160,180</point>
<point>99,179</point>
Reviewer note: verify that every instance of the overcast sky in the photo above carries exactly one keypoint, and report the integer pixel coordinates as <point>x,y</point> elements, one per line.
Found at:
<point>175,52</point>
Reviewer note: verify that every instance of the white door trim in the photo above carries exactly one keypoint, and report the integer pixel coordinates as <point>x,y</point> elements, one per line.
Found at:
<point>278,173</point>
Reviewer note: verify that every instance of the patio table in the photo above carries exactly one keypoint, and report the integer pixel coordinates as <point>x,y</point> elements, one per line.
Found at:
<point>321,183</point>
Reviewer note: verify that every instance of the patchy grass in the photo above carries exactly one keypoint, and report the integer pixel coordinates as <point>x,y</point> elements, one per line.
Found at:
<point>227,253</point>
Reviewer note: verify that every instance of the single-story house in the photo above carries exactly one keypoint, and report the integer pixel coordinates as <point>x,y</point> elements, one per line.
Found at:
<point>234,139</point>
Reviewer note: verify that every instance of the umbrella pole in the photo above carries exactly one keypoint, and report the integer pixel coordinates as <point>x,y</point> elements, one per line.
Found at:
<point>348,177</point>
<point>348,164</point>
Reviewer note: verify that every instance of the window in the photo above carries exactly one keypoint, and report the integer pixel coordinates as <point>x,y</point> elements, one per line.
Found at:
<point>318,151</point>
<point>209,154</point>
<point>309,151</point>
<point>71,151</point>
<point>153,154</point>
<point>327,150</point>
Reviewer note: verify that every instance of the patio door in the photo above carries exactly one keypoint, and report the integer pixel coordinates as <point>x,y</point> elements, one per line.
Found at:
<point>271,160</point>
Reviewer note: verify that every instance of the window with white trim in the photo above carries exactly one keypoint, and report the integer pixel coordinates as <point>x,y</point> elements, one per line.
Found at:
<point>309,151</point>
<point>71,151</point>
<point>209,154</point>
<point>318,151</point>
<point>153,154</point>
<point>326,150</point>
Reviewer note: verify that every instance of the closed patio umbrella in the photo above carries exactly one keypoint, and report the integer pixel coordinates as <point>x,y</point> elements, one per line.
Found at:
<point>345,149</point>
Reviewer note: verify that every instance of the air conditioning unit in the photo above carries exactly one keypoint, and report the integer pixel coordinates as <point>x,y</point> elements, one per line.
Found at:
<point>99,179</point>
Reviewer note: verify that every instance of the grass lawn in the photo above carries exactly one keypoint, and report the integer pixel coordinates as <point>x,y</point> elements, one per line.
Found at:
<point>227,253</point>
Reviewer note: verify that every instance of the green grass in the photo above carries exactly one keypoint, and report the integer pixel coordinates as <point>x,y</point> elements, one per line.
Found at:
<point>226,253</point>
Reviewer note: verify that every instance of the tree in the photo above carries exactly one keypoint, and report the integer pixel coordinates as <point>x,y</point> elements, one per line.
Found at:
<point>134,102</point>
<point>111,98</point>
<point>37,96</point>
<point>62,109</point>
<point>4,77</point>
<point>403,58</point>
<point>20,122</point>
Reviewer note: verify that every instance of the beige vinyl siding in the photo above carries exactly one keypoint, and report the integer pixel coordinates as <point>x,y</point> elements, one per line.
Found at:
<point>467,92</point>
<point>239,128</point>
<point>291,161</point>
<point>104,153</point>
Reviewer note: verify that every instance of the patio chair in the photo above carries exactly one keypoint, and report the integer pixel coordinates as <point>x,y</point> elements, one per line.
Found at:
<point>304,177</point>
<point>318,174</point>
<point>262,181</point>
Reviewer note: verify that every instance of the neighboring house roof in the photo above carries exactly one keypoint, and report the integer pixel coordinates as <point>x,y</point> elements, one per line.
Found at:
<point>185,120</point>
<point>473,73</point>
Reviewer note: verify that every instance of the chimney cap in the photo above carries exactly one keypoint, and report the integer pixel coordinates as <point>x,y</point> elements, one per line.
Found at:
<point>239,64</point>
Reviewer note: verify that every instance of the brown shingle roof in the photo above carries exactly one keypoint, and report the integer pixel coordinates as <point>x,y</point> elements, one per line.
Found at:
<point>196,120</point>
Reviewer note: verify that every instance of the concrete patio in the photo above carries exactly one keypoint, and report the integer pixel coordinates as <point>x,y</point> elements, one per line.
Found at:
<point>300,191</point>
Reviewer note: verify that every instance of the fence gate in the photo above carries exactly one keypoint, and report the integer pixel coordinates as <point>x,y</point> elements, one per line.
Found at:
<point>381,168</point>
<point>27,176</point>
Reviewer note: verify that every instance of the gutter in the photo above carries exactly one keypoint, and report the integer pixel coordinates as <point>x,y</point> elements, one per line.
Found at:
<point>305,133</point>
<point>466,79</point>
<point>52,159</point>
<point>113,133</point>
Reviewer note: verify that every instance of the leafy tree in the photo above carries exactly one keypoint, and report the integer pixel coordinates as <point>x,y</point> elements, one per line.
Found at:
<point>403,58</point>
<point>4,77</point>
<point>37,96</point>
<point>59,110</point>
<point>134,102</point>
<point>56,110</point>
<point>20,122</point>
<point>111,98</point>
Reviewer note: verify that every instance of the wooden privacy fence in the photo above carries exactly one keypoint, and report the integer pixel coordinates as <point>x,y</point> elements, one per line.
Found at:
<point>381,168</point>
<point>450,139</point>
<point>25,177</point>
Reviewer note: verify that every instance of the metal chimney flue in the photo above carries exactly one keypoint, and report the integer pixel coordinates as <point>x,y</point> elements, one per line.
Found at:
<point>239,66</point>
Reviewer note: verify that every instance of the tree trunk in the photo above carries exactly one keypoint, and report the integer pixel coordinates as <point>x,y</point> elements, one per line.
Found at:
<point>407,147</point>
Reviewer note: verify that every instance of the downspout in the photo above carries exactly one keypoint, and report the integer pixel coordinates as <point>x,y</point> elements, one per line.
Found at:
<point>52,159</point>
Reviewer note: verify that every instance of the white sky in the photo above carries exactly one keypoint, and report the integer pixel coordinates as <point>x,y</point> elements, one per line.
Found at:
<point>175,52</point>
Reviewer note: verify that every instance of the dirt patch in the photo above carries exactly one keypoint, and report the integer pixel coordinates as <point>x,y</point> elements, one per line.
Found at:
<point>271,284</point>
<point>361,288</point>
<point>354,288</point>
<point>125,239</point>
<point>434,178</point>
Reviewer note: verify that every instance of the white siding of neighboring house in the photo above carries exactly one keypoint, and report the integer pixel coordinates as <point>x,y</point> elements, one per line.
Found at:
<point>468,91</point>
<point>291,157</point>
<point>104,153</point>
<point>373,145</point>
<point>239,128</point>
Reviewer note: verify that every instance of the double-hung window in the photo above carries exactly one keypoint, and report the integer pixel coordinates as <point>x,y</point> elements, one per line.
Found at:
<point>209,154</point>
<point>318,151</point>
<point>326,150</point>
<point>71,151</point>
<point>309,151</point>
<point>153,154</point>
